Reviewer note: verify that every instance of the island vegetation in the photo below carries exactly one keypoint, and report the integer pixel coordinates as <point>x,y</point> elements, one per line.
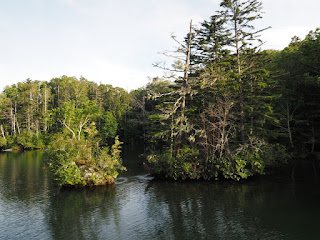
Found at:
<point>225,109</point>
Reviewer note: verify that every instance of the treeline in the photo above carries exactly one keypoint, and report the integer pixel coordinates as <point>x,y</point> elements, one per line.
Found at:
<point>32,111</point>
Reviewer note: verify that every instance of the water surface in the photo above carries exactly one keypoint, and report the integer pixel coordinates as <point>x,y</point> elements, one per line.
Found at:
<point>136,207</point>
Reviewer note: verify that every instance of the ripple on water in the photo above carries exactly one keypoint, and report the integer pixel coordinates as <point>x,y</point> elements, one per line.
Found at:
<point>140,178</point>
<point>144,178</point>
<point>120,180</point>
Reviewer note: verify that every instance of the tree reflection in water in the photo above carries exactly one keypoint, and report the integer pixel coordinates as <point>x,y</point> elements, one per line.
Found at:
<point>224,210</point>
<point>136,207</point>
<point>80,213</point>
<point>22,175</point>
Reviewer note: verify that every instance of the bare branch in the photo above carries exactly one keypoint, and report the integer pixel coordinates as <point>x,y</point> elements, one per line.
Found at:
<point>261,30</point>
<point>174,37</point>
<point>172,56</point>
<point>68,127</point>
<point>157,65</point>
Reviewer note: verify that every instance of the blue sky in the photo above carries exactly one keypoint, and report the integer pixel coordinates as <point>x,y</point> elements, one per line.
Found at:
<point>116,42</point>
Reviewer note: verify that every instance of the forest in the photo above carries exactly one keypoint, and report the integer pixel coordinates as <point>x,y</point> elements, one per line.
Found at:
<point>225,109</point>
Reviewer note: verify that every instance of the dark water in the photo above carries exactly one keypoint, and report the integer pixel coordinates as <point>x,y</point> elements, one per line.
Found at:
<point>32,207</point>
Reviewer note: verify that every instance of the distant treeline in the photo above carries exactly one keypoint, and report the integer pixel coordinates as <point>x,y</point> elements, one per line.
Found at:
<point>31,111</point>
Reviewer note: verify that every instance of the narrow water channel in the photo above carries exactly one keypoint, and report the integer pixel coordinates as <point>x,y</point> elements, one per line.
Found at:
<point>136,207</point>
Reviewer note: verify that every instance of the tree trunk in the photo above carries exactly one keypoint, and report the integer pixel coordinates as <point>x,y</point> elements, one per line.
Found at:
<point>2,132</point>
<point>288,125</point>
<point>13,121</point>
<point>313,139</point>
<point>37,128</point>
<point>171,138</point>
<point>242,129</point>
<point>184,88</point>
<point>45,109</point>
<point>18,128</point>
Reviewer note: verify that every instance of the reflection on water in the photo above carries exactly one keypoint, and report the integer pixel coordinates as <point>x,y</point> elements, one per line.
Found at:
<point>24,187</point>
<point>78,213</point>
<point>136,207</point>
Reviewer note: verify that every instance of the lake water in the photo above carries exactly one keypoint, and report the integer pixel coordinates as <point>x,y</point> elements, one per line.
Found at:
<point>136,207</point>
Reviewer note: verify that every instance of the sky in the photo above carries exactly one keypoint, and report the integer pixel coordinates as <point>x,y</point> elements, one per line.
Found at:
<point>117,41</point>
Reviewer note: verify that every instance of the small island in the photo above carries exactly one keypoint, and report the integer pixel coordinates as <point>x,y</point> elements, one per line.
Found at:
<point>75,155</point>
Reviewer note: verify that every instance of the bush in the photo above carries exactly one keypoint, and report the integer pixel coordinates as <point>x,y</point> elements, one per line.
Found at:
<point>82,163</point>
<point>183,166</point>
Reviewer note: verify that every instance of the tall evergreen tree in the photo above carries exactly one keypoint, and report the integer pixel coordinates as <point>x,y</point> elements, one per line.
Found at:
<point>240,15</point>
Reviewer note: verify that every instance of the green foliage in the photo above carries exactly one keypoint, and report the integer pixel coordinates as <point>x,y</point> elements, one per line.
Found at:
<point>109,126</point>
<point>297,107</point>
<point>247,160</point>
<point>69,174</point>
<point>3,142</point>
<point>183,166</point>
<point>226,110</point>
<point>11,141</point>
<point>30,140</point>
<point>75,155</point>
<point>63,152</point>
<point>33,111</point>
<point>80,162</point>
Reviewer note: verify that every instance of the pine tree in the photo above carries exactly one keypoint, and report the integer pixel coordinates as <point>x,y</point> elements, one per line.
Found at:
<point>243,38</point>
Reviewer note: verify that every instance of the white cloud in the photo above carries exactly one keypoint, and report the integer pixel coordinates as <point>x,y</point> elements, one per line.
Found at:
<point>99,71</point>
<point>118,75</point>
<point>280,37</point>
